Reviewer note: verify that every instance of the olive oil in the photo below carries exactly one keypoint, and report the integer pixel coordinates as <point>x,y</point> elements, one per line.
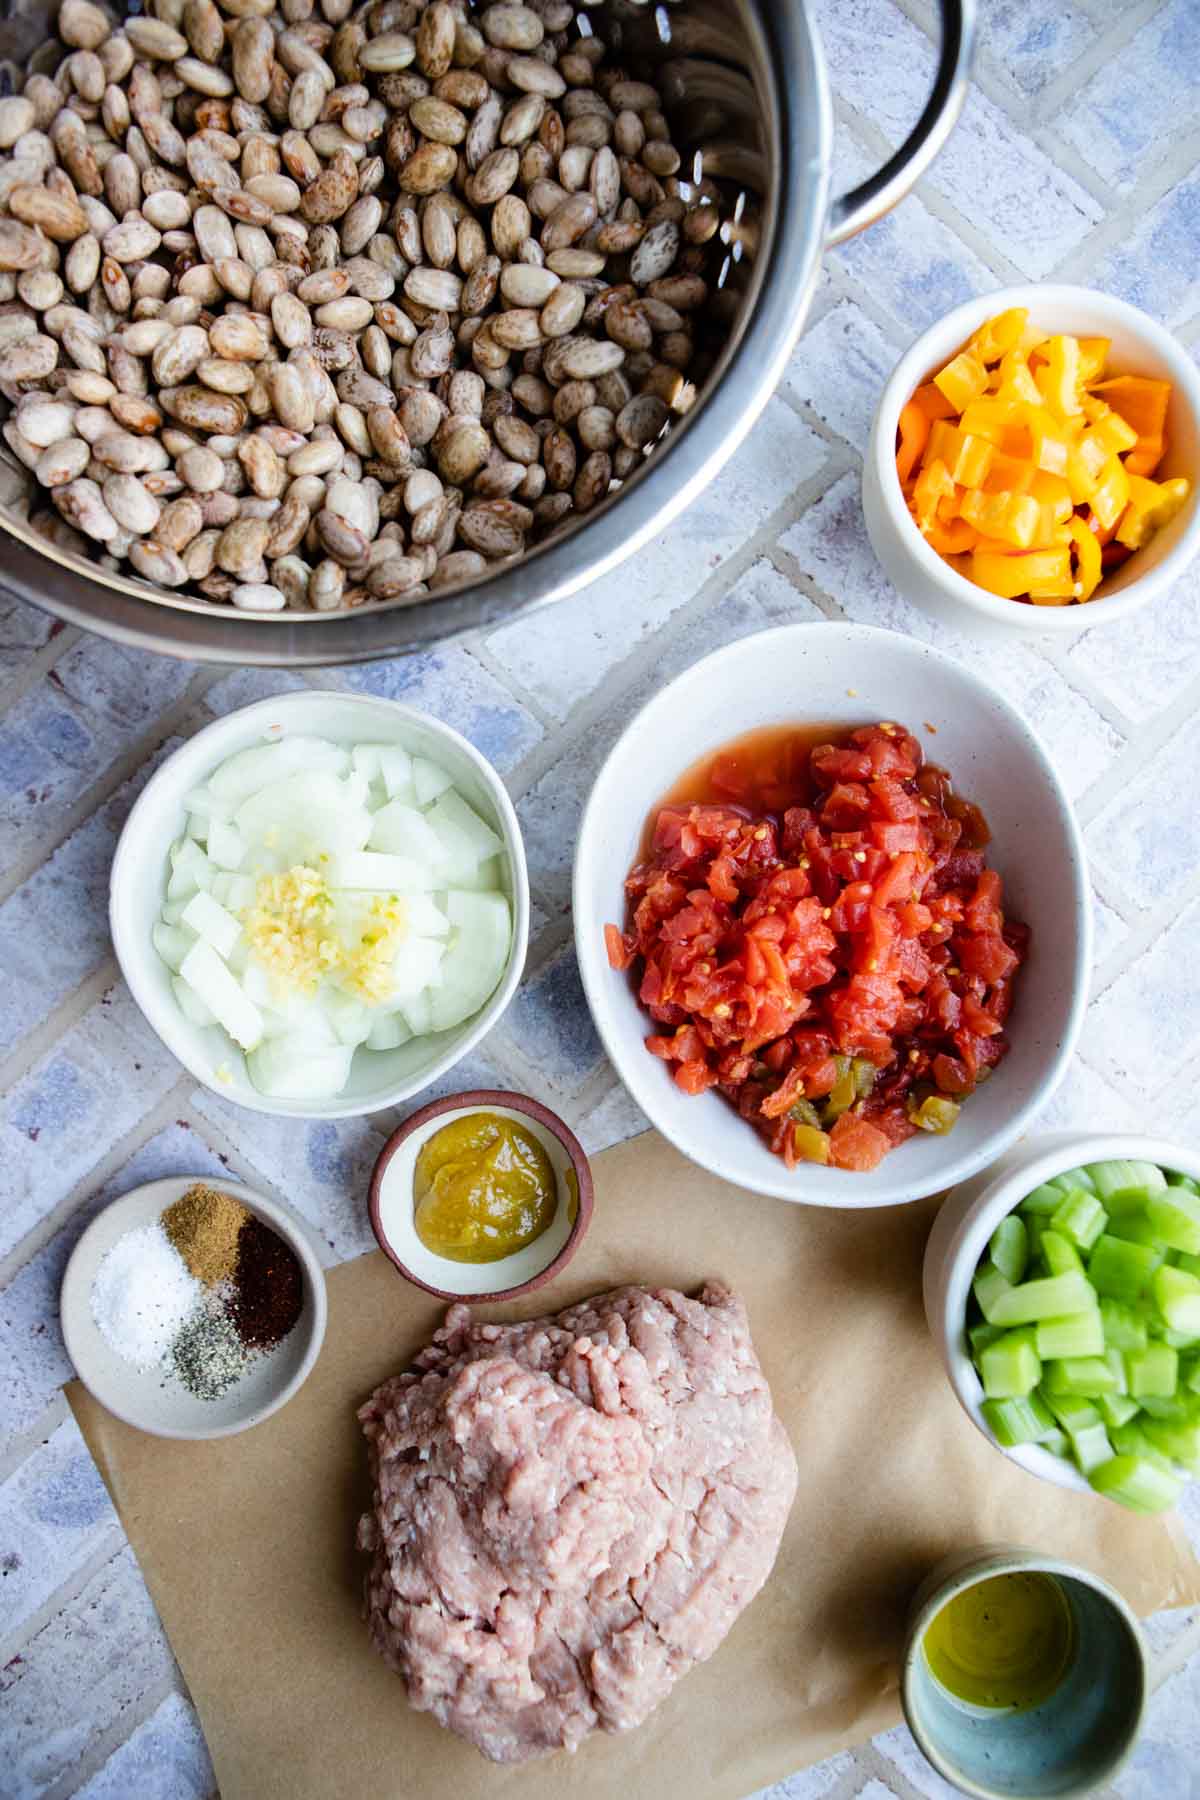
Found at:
<point>1004,1644</point>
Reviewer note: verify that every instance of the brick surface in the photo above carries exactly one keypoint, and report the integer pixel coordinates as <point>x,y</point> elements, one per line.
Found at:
<point>1069,160</point>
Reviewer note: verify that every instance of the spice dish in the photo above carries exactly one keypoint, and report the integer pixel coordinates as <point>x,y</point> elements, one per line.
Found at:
<point>1139,346</point>
<point>191,1310</point>
<point>839,677</point>
<point>403,1167</point>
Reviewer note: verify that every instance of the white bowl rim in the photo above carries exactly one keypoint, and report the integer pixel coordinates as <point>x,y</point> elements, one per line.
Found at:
<point>165,1189</point>
<point>1041,1157</point>
<point>593,971</point>
<point>160,1018</point>
<point>913,367</point>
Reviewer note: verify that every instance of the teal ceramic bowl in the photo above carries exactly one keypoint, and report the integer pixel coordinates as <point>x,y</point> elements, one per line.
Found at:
<point>1074,1741</point>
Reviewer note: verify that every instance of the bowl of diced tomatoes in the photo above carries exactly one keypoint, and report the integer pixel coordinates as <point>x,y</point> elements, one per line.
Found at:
<point>832,917</point>
<point>1033,463</point>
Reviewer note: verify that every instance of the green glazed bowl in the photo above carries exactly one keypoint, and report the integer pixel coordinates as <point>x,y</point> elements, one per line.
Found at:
<point>1074,1741</point>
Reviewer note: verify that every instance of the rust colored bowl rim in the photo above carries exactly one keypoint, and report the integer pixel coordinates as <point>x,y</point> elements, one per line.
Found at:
<point>480,1100</point>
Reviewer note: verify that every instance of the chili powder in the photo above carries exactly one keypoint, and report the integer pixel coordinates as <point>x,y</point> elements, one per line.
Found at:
<point>268,1286</point>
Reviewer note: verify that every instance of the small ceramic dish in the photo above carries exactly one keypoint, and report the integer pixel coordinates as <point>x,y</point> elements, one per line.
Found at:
<point>1072,1742</point>
<point>1140,346</point>
<point>960,1236</point>
<point>378,1078</point>
<point>150,1399</point>
<point>391,1202</point>
<point>843,676</point>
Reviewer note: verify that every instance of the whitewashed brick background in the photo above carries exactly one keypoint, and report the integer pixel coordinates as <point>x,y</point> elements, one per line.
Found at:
<point>1078,157</point>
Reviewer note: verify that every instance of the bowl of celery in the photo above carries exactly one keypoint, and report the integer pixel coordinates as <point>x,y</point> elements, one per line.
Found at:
<point>1063,1290</point>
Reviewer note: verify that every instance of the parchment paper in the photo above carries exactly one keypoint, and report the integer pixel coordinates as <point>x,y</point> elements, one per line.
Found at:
<point>247,1543</point>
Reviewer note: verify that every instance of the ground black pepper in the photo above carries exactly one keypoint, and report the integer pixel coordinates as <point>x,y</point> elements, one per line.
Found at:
<point>268,1286</point>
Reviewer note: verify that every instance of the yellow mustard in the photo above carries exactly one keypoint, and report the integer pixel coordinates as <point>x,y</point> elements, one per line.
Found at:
<point>483,1187</point>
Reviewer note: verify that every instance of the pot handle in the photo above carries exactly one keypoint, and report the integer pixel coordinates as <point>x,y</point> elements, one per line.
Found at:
<point>852,212</point>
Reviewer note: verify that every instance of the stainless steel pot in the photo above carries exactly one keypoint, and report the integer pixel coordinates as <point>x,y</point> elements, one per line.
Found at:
<point>749,96</point>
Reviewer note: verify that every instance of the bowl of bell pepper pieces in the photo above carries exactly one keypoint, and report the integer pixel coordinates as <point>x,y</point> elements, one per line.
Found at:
<point>1033,463</point>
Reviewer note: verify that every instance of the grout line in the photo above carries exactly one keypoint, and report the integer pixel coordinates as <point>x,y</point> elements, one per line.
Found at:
<point>45,1035</point>
<point>107,1743</point>
<point>23,1445</point>
<point>36,665</point>
<point>115,1540</point>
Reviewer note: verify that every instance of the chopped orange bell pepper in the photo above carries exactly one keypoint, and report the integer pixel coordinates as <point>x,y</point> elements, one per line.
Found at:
<point>966,457</point>
<point>933,403</point>
<point>1010,576</point>
<point>1088,557</point>
<point>1027,469</point>
<point>1013,518</point>
<point>913,434</point>
<point>963,377</point>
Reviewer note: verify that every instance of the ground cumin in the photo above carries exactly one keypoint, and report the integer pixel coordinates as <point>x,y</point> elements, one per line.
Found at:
<point>204,1226</point>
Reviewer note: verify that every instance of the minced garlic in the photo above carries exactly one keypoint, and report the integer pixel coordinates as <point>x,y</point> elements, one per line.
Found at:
<point>293,934</point>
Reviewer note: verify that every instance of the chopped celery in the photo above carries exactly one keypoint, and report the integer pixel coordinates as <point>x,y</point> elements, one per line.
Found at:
<point>1073,1413</point>
<point>1035,1225</point>
<point>1174,1215</point>
<point>936,1114</point>
<point>1010,1367</point>
<point>1116,1362</point>
<point>1117,1409</point>
<point>1123,1328</point>
<point>1119,1269</point>
<point>989,1287</point>
<point>1058,1443</point>
<point>1034,1300</point>
<point>1125,1186</point>
<point>1153,1371</point>
<point>1179,1340</point>
<point>1131,1440</point>
<point>1081,1218</point>
<point>1045,1199</point>
<point>1059,1253</point>
<point>1091,1447</point>
<point>1138,1483</point>
<point>1176,1408</point>
<point>1175,1179</point>
<point>1177,1297</point>
<point>1022,1420</point>
<point>980,1336</point>
<point>1009,1247</point>
<point>1076,1334</point>
<point>1087,1376</point>
<point>1074,1178</point>
<point>803,1112</point>
<point>1189,1264</point>
<point>1178,1440</point>
<point>1189,1375</point>
<point>1135,1228</point>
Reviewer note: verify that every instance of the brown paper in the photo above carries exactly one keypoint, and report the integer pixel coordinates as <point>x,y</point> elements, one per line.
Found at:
<point>247,1543</point>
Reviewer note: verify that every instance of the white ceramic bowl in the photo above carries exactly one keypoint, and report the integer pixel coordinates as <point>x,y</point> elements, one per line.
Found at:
<point>1140,346</point>
<point>847,675</point>
<point>142,1397</point>
<point>378,1078</point>
<point>960,1236</point>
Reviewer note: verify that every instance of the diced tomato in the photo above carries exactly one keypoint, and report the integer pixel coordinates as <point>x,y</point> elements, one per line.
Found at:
<point>855,1143</point>
<point>822,903</point>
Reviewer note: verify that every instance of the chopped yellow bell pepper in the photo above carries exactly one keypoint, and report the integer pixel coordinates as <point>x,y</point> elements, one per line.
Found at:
<point>963,377</point>
<point>1013,518</point>
<point>999,335</point>
<point>1027,469</point>
<point>1010,576</point>
<point>1016,381</point>
<point>1110,496</point>
<point>1152,504</point>
<point>966,457</point>
<point>1059,377</point>
<point>1093,354</point>
<point>934,483</point>
<point>1087,552</point>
